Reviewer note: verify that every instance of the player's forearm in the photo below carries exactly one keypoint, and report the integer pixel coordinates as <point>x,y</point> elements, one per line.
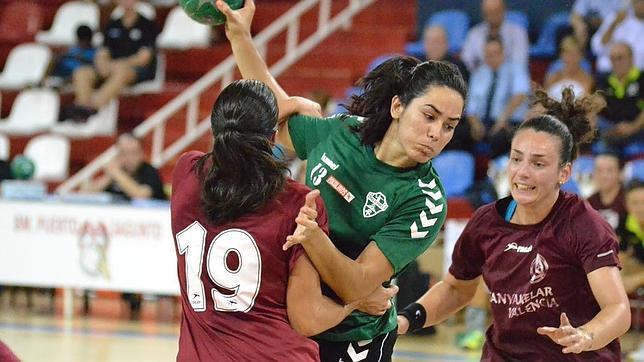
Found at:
<point>324,314</point>
<point>348,278</point>
<point>443,300</point>
<point>611,322</point>
<point>252,65</point>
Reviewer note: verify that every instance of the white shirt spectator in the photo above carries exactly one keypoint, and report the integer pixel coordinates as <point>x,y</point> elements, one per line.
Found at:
<point>515,43</point>
<point>629,31</point>
<point>600,8</point>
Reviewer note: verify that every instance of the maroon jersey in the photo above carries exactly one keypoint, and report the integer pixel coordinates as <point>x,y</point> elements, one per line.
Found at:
<point>534,273</point>
<point>234,276</point>
<point>614,213</point>
<point>6,355</point>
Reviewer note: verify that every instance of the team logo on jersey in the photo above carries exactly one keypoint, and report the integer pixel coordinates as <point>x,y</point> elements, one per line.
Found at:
<point>538,269</point>
<point>93,242</point>
<point>518,248</point>
<point>375,204</point>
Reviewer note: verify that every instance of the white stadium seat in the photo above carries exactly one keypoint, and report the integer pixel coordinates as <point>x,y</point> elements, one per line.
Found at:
<point>33,111</point>
<point>26,66</point>
<point>101,124</point>
<point>50,154</point>
<point>181,32</point>
<point>69,16</point>
<point>5,147</point>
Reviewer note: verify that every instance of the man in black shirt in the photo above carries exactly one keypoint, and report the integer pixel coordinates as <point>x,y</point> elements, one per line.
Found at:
<point>128,176</point>
<point>128,56</point>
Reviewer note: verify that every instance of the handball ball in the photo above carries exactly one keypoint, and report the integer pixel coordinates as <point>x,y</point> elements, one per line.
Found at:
<point>206,12</point>
<point>22,167</point>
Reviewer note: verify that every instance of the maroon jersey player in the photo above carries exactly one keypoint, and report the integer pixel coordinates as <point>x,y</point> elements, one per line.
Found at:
<point>243,298</point>
<point>548,258</point>
<point>6,355</point>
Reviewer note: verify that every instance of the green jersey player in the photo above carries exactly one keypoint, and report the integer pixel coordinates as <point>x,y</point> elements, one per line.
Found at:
<point>385,201</point>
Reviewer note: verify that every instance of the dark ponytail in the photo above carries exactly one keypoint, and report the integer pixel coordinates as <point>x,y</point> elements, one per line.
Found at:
<point>402,76</point>
<point>568,119</point>
<point>241,175</point>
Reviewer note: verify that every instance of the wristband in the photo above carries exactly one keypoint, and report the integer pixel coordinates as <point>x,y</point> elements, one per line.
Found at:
<point>416,315</point>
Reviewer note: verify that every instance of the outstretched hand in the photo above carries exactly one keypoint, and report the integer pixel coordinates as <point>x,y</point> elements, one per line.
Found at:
<point>237,21</point>
<point>576,340</point>
<point>306,221</point>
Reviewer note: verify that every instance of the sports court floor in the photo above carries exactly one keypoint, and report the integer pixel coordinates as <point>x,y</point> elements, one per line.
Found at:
<point>108,335</point>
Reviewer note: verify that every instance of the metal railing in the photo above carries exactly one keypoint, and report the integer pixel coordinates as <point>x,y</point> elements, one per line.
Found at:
<point>224,73</point>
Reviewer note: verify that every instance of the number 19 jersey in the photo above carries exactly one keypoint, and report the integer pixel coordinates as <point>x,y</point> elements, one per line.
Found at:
<point>234,276</point>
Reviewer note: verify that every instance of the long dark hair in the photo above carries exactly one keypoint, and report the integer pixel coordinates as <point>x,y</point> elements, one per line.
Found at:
<point>242,175</point>
<point>402,76</point>
<point>568,119</point>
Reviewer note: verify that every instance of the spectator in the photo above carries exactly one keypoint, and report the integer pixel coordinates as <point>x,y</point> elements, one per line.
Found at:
<point>514,37</point>
<point>609,198</point>
<point>498,93</point>
<point>571,74</point>
<point>587,15</point>
<point>128,56</point>
<point>625,26</point>
<point>633,238</point>
<point>622,121</point>
<point>128,176</point>
<point>82,54</point>
<point>437,48</point>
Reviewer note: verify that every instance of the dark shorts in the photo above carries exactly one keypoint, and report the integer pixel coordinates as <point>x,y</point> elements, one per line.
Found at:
<point>379,349</point>
<point>144,73</point>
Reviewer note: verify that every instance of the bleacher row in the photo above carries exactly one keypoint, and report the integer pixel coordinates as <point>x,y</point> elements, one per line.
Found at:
<point>32,99</point>
<point>188,52</point>
<point>184,66</point>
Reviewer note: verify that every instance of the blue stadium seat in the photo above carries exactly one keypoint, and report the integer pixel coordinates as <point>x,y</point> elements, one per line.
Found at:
<point>583,165</point>
<point>379,60</point>
<point>634,150</point>
<point>571,186</point>
<point>546,46</point>
<point>456,169</point>
<point>635,170</point>
<point>455,22</point>
<point>339,108</point>
<point>518,17</point>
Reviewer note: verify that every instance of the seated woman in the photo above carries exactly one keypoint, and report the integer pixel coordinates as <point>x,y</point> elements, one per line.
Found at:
<point>571,74</point>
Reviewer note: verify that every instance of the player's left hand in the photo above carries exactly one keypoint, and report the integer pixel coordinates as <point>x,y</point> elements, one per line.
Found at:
<point>306,221</point>
<point>379,301</point>
<point>576,340</point>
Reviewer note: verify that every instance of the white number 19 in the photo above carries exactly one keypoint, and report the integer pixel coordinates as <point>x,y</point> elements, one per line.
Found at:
<point>242,283</point>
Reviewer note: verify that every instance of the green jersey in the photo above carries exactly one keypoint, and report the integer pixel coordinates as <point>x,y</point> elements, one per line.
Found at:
<point>400,209</point>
